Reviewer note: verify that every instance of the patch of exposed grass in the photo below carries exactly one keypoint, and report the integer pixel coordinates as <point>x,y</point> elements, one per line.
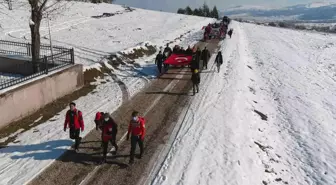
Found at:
<point>144,51</point>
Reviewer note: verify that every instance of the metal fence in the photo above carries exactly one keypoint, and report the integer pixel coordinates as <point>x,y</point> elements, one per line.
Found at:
<point>50,59</point>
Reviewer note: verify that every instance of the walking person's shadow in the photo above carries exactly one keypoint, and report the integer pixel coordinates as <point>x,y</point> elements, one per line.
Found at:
<point>58,150</point>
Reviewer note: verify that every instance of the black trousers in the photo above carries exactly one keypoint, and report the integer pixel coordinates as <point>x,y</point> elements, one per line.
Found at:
<point>74,134</point>
<point>159,66</point>
<point>105,146</point>
<point>134,141</point>
<point>195,88</point>
<point>205,64</point>
<point>166,67</point>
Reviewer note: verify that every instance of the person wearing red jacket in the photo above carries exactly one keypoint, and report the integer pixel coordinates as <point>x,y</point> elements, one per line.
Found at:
<point>137,131</point>
<point>109,130</point>
<point>99,120</point>
<point>74,120</point>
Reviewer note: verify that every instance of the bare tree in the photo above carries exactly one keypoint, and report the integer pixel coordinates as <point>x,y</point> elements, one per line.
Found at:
<point>39,10</point>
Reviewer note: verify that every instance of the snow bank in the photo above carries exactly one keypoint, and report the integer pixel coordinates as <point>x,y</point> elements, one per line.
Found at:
<point>266,118</point>
<point>8,76</point>
<point>214,145</point>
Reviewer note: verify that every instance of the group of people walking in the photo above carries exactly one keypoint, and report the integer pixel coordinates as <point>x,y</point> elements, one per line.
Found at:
<point>196,65</point>
<point>136,128</point>
<point>109,130</point>
<point>196,68</point>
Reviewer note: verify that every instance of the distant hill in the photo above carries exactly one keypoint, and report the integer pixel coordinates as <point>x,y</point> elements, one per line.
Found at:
<point>319,12</point>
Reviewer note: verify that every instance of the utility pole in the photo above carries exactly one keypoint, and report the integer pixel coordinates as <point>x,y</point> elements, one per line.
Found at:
<point>51,47</point>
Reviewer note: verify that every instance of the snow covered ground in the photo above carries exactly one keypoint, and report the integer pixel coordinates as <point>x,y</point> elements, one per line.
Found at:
<point>5,77</point>
<point>95,38</point>
<point>35,149</point>
<point>267,118</point>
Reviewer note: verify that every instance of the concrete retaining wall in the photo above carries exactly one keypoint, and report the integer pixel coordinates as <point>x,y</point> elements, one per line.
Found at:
<point>28,98</point>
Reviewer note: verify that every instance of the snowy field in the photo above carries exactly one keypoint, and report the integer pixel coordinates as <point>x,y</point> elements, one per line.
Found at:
<point>267,118</point>
<point>6,77</point>
<point>35,149</point>
<point>95,38</point>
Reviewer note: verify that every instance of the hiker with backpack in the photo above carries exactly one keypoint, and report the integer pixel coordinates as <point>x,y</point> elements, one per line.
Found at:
<point>74,120</point>
<point>219,60</point>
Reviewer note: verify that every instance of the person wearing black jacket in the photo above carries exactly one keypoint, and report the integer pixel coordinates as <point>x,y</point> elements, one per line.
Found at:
<point>159,61</point>
<point>196,79</point>
<point>166,53</point>
<point>198,58</point>
<point>194,64</point>
<point>110,130</point>
<point>189,51</point>
<point>205,57</point>
<point>219,60</point>
<point>175,49</point>
<point>230,32</point>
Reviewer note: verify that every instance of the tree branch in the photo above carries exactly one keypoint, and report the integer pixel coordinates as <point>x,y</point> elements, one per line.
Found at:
<point>46,8</point>
<point>56,8</point>
<point>43,4</point>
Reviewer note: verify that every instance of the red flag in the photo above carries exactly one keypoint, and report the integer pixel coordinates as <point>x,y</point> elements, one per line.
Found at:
<point>178,59</point>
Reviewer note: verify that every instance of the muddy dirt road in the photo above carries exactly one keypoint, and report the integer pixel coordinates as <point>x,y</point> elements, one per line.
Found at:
<point>160,103</point>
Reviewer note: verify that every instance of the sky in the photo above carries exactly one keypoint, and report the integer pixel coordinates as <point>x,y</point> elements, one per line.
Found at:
<point>173,5</point>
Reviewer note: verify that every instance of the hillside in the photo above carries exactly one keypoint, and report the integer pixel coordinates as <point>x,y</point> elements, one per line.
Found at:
<point>301,12</point>
<point>94,36</point>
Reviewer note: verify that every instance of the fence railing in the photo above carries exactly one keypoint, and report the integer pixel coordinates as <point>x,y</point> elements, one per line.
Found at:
<point>46,63</point>
<point>24,49</point>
